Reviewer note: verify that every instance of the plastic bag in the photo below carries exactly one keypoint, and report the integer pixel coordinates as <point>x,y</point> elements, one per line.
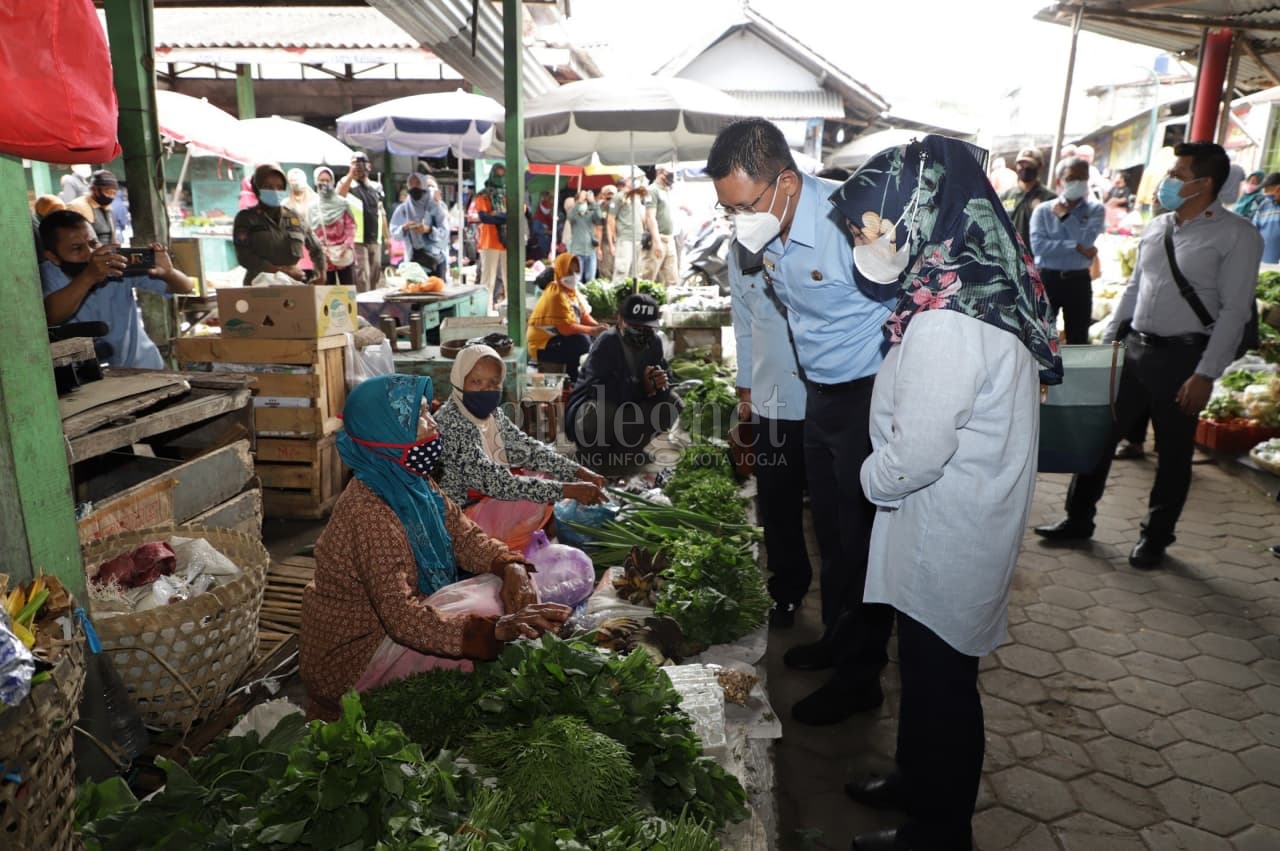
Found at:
<point>412,273</point>
<point>571,511</point>
<point>563,574</point>
<point>272,279</point>
<point>196,557</point>
<point>479,595</point>
<point>362,363</point>
<point>17,665</point>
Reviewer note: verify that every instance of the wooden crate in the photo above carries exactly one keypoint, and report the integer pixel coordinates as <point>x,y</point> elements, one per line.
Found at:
<point>325,385</point>
<point>300,478</point>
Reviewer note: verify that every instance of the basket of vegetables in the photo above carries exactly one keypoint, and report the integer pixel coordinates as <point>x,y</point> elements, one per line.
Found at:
<point>181,658</point>
<point>38,782</point>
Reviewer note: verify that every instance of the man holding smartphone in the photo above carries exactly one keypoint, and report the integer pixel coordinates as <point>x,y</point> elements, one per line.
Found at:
<point>84,281</point>
<point>1062,239</point>
<point>369,222</point>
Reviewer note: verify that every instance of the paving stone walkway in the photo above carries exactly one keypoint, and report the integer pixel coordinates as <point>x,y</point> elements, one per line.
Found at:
<point>1129,711</point>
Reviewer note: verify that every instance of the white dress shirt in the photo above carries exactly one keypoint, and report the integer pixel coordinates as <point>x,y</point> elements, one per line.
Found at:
<point>955,427</point>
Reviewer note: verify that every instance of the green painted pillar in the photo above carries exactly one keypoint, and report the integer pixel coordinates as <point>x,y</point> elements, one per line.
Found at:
<point>513,88</point>
<point>245,105</point>
<point>37,514</point>
<point>41,179</point>
<point>129,31</point>
<point>390,192</point>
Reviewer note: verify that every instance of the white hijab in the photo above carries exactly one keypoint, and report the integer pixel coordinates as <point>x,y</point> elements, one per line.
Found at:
<point>462,366</point>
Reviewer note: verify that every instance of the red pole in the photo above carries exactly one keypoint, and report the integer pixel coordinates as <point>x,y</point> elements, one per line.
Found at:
<point>1209,79</point>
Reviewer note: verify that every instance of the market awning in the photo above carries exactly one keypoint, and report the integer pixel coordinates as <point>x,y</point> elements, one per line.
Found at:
<point>1177,27</point>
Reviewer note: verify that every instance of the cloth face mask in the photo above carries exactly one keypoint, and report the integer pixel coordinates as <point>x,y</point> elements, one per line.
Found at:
<point>481,403</point>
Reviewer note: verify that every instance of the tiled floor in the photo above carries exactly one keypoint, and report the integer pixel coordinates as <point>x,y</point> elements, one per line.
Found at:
<point>1129,711</point>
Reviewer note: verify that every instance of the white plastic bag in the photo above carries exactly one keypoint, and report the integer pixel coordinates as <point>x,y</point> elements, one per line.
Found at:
<point>369,361</point>
<point>197,556</point>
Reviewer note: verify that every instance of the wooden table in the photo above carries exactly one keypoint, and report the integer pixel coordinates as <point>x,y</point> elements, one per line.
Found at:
<point>432,307</point>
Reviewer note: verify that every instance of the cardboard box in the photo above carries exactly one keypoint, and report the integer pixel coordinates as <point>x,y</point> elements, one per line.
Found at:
<point>286,313</point>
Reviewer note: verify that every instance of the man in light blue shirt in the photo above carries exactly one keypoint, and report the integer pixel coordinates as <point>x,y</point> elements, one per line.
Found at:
<point>839,345</point>
<point>771,396</point>
<point>1266,218</point>
<point>83,281</point>
<point>1062,240</point>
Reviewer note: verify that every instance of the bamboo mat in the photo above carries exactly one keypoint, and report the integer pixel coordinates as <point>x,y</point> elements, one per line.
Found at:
<point>282,599</point>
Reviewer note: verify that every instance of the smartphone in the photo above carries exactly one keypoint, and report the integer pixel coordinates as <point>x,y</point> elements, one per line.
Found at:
<point>138,261</point>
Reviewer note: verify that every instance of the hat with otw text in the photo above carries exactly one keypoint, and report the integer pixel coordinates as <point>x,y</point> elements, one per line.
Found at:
<point>639,309</point>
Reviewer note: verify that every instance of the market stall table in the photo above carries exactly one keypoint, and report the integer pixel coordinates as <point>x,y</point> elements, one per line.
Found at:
<point>429,362</point>
<point>465,300</point>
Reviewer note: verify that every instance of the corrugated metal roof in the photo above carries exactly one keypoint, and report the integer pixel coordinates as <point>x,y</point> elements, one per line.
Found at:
<point>288,27</point>
<point>808,104</point>
<point>1176,27</point>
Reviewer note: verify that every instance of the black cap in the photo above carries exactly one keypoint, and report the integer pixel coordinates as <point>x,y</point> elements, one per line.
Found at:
<point>104,178</point>
<point>639,309</point>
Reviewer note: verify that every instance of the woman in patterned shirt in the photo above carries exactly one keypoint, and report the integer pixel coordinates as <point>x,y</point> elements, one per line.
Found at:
<point>386,600</point>
<point>495,469</point>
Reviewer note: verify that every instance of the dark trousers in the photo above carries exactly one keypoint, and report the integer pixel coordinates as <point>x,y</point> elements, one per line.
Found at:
<point>1072,293</point>
<point>439,267</point>
<point>940,738</point>
<point>1151,379</point>
<point>780,481</point>
<point>567,349</point>
<point>836,442</point>
<point>344,277</point>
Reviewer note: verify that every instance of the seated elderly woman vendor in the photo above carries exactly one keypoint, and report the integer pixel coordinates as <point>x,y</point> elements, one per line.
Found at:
<point>494,468</point>
<point>374,612</point>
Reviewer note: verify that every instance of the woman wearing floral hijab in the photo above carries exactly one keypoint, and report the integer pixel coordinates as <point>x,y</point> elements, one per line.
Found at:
<point>387,599</point>
<point>334,227</point>
<point>954,432</point>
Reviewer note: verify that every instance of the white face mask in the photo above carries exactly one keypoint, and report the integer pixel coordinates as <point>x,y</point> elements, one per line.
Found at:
<point>756,230</point>
<point>570,281</point>
<point>878,262</point>
<point>1074,190</point>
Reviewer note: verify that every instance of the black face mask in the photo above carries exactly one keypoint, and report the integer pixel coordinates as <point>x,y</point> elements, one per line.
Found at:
<point>1028,174</point>
<point>72,269</point>
<point>416,194</point>
<point>637,338</point>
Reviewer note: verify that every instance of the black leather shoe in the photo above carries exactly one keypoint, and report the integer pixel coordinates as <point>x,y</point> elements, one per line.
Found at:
<point>880,840</point>
<point>832,703</point>
<point>816,656</point>
<point>1129,451</point>
<point>878,792</point>
<point>1066,529</point>
<point>783,615</point>
<point>1147,554</point>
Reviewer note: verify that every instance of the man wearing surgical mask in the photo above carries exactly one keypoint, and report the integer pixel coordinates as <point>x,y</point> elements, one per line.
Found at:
<point>1177,342</point>
<point>1062,240</point>
<point>835,328</point>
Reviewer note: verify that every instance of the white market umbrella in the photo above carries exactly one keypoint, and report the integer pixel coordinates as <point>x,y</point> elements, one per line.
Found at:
<point>206,130</point>
<point>426,125</point>
<point>865,147</point>
<point>627,119</point>
<point>277,139</point>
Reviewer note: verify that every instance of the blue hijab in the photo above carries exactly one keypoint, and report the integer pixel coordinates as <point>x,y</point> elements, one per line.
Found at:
<point>385,409</point>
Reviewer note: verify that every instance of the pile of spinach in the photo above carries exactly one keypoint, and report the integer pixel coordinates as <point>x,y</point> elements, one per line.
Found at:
<point>708,409</point>
<point>703,482</point>
<point>713,588</point>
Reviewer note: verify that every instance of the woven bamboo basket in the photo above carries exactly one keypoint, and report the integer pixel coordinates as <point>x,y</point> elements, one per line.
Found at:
<point>35,744</point>
<point>180,661</point>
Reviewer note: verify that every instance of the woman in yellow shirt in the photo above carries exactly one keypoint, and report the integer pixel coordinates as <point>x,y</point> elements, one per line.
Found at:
<point>561,327</point>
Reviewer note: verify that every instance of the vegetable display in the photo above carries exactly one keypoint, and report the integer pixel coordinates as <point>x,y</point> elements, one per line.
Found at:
<point>708,409</point>
<point>356,784</point>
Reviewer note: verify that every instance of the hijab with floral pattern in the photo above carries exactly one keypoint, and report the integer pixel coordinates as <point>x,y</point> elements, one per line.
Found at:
<point>930,205</point>
<point>385,409</point>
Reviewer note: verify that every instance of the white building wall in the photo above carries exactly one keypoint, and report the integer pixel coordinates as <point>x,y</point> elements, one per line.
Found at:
<point>745,61</point>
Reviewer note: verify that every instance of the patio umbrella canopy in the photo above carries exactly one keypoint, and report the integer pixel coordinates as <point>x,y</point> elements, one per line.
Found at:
<point>281,140</point>
<point>864,147</point>
<point>205,129</point>
<point>427,125</point>
<point>627,120</point>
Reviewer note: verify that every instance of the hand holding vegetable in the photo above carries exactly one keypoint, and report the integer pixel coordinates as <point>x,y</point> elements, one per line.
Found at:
<point>518,589</point>
<point>586,493</point>
<point>531,621</point>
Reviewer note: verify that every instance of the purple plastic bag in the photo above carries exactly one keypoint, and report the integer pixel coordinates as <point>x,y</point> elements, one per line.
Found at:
<point>563,574</point>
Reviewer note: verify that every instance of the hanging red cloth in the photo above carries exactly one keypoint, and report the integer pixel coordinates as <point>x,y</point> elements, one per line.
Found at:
<point>55,71</point>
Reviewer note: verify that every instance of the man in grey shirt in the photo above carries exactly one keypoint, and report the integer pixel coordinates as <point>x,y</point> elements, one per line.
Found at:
<point>1172,358</point>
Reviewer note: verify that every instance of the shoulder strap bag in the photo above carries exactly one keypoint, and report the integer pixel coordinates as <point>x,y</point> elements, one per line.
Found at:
<point>1249,340</point>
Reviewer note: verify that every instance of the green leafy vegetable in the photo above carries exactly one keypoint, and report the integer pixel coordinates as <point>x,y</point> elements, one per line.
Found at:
<point>708,409</point>
<point>561,765</point>
<point>1242,378</point>
<point>708,492</point>
<point>712,589</point>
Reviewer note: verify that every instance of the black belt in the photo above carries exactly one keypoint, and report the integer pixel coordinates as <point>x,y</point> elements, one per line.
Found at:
<point>1065,273</point>
<point>1156,341</point>
<point>836,388</point>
